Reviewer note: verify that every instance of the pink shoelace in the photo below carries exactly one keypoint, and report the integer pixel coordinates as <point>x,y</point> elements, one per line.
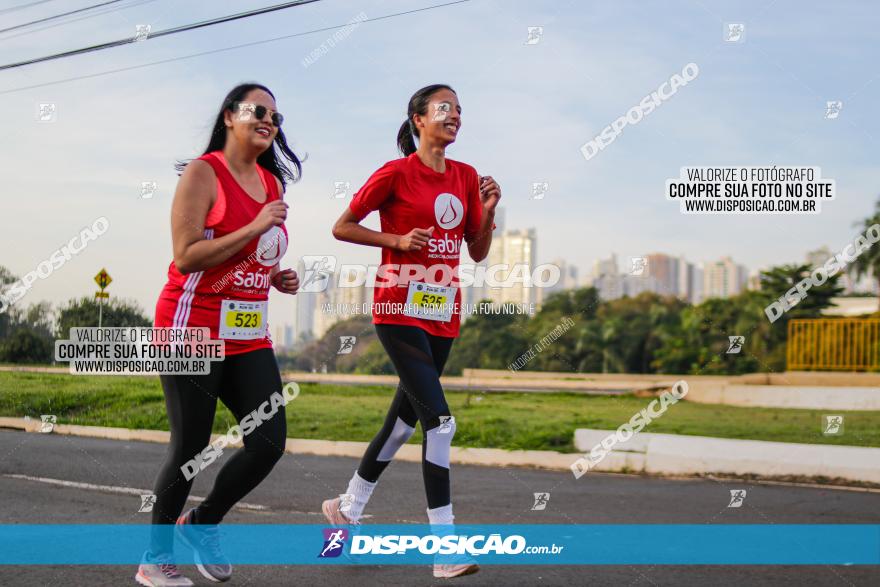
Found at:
<point>169,570</point>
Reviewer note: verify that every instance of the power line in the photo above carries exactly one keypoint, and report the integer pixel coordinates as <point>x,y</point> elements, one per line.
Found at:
<point>102,12</point>
<point>57,16</point>
<point>172,31</point>
<point>222,49</point>
<point>23,6</point>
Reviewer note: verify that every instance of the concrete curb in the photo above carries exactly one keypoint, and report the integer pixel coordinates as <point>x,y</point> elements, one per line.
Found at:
<point>488,457</point>
<point>808,390</point>
<point>803,397</point>
<point>672,454</point>
<point>488,385</point>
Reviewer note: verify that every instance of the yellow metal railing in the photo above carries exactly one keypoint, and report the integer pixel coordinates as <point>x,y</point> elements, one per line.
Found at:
<point>829,344</point>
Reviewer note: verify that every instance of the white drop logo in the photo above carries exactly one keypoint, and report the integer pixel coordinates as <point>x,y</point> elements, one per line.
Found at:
<point>272,246</point>
<point>448,210</point>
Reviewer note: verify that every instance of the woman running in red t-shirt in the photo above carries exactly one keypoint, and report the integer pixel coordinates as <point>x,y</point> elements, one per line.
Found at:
<point>227,228</point>
<point>428,205</point>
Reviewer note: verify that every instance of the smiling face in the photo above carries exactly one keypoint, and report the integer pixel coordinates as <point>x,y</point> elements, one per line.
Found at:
<point>243,125</point>
<point>442,121</point>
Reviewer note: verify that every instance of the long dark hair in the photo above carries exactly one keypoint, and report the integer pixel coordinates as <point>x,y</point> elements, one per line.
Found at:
<point>418,104</point>
<point>287,171</point>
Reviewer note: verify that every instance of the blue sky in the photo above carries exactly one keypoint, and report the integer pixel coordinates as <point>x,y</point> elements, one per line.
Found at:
<point>526,111</point>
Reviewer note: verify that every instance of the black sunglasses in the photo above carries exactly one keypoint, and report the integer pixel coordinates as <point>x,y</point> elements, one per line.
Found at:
<point>258,111</point>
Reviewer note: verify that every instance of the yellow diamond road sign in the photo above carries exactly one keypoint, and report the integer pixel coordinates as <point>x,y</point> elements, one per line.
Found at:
<point>103,279</point>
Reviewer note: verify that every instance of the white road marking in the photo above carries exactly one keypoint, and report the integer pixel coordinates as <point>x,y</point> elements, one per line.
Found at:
<point>139,492</point>
<point>117,489</point>
<point>855,488</point>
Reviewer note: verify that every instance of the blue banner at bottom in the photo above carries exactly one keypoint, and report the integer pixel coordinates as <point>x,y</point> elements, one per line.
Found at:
<point>533,544</point>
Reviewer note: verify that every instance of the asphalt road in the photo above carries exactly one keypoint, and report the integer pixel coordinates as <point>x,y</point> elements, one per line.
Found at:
<point>293,493</point>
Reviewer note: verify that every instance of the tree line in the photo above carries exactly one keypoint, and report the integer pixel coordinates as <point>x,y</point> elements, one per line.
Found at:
<point>28,333</point>
<point>648,333</point>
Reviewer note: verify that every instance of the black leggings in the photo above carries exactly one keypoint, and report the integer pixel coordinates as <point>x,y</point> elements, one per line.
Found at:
<point>419,359</point>
<point>243,383</point>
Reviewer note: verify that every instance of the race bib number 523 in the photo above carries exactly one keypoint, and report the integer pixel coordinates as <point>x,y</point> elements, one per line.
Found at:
<point>243,320</point>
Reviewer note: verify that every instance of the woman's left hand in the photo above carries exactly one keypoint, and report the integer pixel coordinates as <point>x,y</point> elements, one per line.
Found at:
<point>286,281</point>
<point>490,192</point>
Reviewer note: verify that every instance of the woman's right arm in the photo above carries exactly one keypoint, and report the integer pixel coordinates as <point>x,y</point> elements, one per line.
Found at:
<point>196,193</point>
<point>372,197</point>
<point>349,229</point>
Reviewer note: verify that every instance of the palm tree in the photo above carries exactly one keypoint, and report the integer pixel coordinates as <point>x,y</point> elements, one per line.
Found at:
<point>612,342</point>
<point>869,261</point>
<point>777,280</point>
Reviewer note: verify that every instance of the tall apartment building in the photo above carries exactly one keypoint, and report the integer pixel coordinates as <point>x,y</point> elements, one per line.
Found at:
<point>305,310</point>
<point>606,278</point>
<point>568,279</point>
<point>512,248</point>
<point>723,278</point>
<point>662,272</point>
<point>689,281</point>
<point>346,296</point>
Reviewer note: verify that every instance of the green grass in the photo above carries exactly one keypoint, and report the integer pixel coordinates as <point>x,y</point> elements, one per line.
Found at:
<point>492,420</point>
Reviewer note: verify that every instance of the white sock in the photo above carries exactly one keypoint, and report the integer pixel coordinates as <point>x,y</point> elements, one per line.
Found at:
<point>441,520</point>
<point>441,516</point>
<point>360,489</point>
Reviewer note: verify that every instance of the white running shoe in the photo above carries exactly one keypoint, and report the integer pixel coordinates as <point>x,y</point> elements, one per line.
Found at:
<point>450,571</point>
<point>330,508</point>
<point>159,571</point>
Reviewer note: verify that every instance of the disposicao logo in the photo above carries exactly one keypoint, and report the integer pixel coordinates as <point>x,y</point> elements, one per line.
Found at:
<point>334,541</point>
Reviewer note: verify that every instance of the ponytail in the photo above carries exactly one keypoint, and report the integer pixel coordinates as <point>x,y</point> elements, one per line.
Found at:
<point>405,142</point>
<point>418,104</point>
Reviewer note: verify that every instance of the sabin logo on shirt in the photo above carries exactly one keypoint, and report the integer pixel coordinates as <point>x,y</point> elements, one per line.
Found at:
<point>448,210</point>
<point>271,247</point>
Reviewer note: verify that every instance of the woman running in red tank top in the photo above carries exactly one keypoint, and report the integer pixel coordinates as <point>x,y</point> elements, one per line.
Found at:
<point>227,228</point>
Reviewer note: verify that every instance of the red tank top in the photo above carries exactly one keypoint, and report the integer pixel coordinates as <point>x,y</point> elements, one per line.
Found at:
<point>239,283</point>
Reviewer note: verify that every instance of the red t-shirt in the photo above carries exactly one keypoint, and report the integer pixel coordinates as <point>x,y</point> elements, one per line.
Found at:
<point>408,194</point>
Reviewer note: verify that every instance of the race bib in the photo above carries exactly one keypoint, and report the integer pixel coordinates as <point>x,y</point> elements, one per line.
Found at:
<point>241,320</point>
<point>430,302</point>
